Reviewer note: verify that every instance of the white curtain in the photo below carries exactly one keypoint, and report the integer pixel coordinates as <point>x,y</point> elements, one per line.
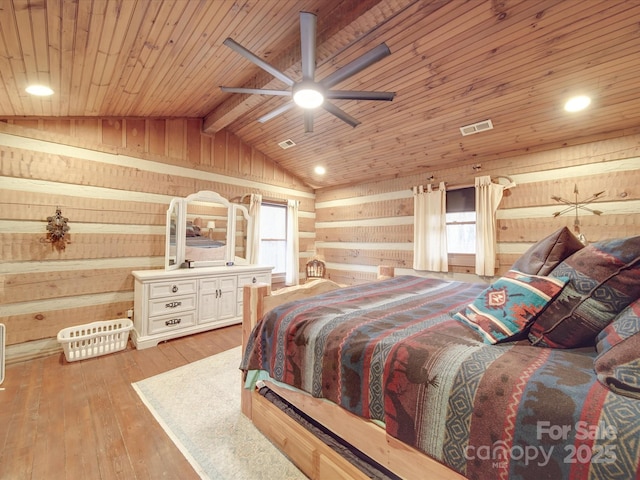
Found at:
<point>253,236</point>
<point>430,229</point>
<point>293,244</point>
<point>488,196</point>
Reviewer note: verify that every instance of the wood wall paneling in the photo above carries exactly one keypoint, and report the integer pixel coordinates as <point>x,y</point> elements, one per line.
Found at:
<point>113,132</point>
<point>46,324</point>
<point>36,206</point>
<point>31,286</point>
<point>135,134</point>
<point>157,137</point>
<point>24,247</point>
<point>113,178</point>
<point>353,221</point>
<point>117,206</point>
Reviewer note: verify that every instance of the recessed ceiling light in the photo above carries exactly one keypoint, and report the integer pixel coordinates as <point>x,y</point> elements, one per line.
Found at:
<point>575,104</point>
<point>320,170</point>
<point>39,90</point>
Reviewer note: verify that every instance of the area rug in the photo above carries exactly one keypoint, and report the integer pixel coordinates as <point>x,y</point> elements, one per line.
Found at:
<point>198,405</point>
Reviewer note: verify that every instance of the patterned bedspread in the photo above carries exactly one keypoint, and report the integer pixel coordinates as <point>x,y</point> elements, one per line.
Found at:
<point>390,351</point>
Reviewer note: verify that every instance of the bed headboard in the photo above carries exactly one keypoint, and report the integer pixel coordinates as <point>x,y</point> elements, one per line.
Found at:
<point>202,229</point>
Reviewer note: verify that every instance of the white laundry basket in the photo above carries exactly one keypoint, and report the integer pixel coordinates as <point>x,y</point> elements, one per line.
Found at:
<point>93,339</point>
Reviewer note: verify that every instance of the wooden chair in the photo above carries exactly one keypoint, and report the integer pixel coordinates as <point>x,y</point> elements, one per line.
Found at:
<point>315,269</point>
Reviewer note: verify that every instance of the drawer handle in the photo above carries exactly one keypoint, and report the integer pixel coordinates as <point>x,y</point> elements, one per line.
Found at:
<point>173,304</point>
<point>174,289</point>
<point>218,293</point>
<point>254,280</point>
<point>173,321</point>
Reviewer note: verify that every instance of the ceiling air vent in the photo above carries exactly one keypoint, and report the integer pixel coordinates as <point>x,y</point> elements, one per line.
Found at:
<point>476,128</point>
<point>288,143</point>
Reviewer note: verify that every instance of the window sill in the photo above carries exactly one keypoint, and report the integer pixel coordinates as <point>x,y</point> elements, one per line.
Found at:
<point>462,259</point>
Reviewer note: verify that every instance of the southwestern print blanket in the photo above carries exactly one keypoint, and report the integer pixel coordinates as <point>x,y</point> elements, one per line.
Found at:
<point>391,351</point>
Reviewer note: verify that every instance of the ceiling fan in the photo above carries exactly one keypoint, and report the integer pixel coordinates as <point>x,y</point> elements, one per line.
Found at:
<point>309,93</point>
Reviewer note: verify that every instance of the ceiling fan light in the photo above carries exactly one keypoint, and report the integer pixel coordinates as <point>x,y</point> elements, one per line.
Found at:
<point>308,98</point>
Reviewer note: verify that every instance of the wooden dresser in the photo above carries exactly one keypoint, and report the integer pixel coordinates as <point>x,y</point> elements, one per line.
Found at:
<point>173,303</point>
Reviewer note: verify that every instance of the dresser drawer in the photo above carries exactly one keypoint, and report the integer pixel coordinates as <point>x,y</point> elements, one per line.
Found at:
<point>250,279</point>
<point>172,304</point>
<point>167,323</point>
<point>170,289</point>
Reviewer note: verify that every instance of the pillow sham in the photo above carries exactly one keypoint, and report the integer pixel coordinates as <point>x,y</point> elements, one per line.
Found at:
<point>505,309</point>
<point>545,255</point>
<point>618,368</point>
<point>623,326</point>
<point>604,278</point>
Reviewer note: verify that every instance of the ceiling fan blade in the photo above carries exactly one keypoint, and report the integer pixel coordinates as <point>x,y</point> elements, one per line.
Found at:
<point>308,121</point>
<point>308,22</point>
<point>274,113</point>
<point>257,91</point>
<point>341,114</point>
<point>372,56</point>
<point>236,47</point>
<point>358,95</point>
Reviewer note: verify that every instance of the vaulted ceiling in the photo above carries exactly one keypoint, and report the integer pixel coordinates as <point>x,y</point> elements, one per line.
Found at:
<point>452,63</point>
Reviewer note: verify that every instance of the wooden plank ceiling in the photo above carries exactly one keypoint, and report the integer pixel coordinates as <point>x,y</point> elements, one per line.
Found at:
<point>452,63</point>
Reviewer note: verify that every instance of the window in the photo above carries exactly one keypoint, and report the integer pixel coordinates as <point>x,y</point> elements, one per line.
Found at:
<point>461,232</point>
<point>461,223</point>
<point>273,232</point>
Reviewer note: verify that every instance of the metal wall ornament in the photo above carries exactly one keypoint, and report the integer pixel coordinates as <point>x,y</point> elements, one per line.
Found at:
<point>57,228</point>
<point>575,206</point>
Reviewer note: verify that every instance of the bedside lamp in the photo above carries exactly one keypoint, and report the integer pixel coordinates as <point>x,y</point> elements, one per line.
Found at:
<point>210,226</point>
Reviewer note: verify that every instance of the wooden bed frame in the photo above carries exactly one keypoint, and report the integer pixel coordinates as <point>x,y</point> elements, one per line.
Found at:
<point>308,453</point>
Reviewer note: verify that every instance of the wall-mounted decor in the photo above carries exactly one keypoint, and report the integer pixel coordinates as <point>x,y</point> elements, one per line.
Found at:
<point>57,228</point>
<point>575,206</point>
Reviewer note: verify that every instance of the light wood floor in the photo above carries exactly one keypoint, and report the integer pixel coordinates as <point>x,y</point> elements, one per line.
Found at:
<point>83,420</point>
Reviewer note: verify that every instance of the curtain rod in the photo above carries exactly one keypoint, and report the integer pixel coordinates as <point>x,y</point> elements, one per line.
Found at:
<point>453,187</point>
<point>469,185</point>
<point>264,199</point>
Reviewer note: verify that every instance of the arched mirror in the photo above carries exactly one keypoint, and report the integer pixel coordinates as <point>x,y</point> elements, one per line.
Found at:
<point>205,230</point>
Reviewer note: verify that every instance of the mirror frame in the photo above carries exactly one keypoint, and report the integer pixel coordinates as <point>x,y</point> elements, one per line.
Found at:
<point>180,205</point>
<point>175,207</point>
<point>245,213</point>
<point>207,196</point>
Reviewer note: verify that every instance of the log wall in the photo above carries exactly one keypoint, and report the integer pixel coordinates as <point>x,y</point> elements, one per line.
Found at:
<point>362,226</point>
<point>113,179</point>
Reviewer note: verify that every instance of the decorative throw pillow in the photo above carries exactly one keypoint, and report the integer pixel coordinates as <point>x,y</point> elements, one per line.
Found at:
<point>545,255</point>
<point>604,278</point>
<point>505,309</point>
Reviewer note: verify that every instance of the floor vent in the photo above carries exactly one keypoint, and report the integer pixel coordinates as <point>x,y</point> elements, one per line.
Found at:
<point>476,128</point>
<point>1,353</point>
<point>287,144</point>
